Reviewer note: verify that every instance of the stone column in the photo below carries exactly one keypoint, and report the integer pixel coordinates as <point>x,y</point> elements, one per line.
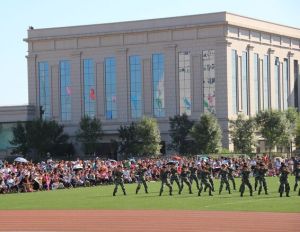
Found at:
<point>197,86</point>
<point>76,87</point>
<point>147,87</point>
<point>251,87</point>
<point>55,92</point>
<point>100,90</point>
<point>33,83</point>
<point>291,92</point>
<point>271,77</point>
<point>122,85</point>
<point>171,105</point>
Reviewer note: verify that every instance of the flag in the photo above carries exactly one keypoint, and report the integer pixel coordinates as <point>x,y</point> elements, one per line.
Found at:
<point>68,89</point>
<point>92,94</point>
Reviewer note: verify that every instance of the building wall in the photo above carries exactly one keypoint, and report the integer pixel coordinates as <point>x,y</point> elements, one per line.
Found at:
<point>220,32</point>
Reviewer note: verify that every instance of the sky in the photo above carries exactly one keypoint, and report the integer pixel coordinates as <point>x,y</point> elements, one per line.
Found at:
<point>17,15</point>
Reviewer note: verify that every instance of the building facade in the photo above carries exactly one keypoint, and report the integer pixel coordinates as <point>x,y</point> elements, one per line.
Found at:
<point>220,63</point>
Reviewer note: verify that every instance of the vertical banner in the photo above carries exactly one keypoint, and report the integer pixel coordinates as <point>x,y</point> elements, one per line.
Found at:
<point>209,98</point>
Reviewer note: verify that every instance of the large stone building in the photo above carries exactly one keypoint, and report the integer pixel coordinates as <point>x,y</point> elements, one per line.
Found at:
<point>220,62</point>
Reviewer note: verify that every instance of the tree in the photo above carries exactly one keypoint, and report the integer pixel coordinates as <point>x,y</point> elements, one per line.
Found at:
<point>39,137</point>
<point>207,134</point>
<point>276,127</point>
<point>129,138</point>
<point>242,133</point>
<point>19,139</point>
<point>149,136</point>
<point>89,134</point>
<point>140,139</point>
<point>297,133</point>
<point>180,127</point>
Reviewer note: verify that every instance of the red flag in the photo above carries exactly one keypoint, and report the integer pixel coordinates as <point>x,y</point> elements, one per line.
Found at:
<point>68,89</point>
<point>92,94</point>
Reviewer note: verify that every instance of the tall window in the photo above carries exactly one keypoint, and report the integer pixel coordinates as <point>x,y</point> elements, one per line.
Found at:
<point>256,78</point>
<point>245,83</point>
<point>45,90</point>
<point>65,90</point>
<point>158,79</point>
<point>89,88</point>
<point>285,81</point>
<point>266,78</point>
<point>135,86</point>
<point>296,76</point>
<point>234,80</point>
<point>110,88</point>
<point>184,74</point>
<point>276,83</point>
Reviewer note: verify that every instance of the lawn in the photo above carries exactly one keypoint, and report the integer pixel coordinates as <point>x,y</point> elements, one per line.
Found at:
<point>100,197</point>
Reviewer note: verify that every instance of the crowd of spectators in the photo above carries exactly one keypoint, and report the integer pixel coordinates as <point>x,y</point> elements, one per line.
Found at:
<point>51,175</point>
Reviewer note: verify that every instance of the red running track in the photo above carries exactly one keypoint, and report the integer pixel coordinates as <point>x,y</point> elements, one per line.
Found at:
<point>147,220</point>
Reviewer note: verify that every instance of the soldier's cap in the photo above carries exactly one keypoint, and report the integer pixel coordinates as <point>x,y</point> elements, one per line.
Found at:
<point>183,166</point>
<point>119,166</point>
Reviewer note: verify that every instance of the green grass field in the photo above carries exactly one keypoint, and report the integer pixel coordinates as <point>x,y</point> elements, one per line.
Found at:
<point>100,197</point>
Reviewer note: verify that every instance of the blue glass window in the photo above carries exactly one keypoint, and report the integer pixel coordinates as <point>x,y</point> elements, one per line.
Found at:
<point>110,88</point>
<point>89,88</point>
<point>184,74</point>
<point>45,89</point>
<point>245,83</point>
<point>276,82</point>
<point>135,86</point>
<point>158,79</point>
<point>285,81</point>
<point>65,90</point>
<point>266,78</point>
<point>234,80</point>
<point>256,82</point>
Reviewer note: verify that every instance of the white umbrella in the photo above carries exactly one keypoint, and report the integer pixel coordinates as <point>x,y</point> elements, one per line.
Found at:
<point>21,160</point>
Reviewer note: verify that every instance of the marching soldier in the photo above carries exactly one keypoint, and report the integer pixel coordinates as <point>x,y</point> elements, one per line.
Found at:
<point>193,176</point>
<point>174,176</point>
<point>284,184</point>
<point>256,177</point>
<point>245,180</point>
<point>118,179</point>
<point>184,175</point>
<point>203,174</point>
<point>223,174</point>
<point>297,176</point>
<point>210,177</point>
<point>261,178</point>
<point>230,175</point>
<point>141,178</point>
<point>164,176</point>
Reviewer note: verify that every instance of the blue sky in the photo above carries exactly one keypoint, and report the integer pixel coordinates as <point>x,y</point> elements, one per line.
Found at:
<point>17,15</point>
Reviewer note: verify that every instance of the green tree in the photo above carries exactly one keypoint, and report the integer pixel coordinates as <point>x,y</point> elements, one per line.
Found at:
<point>242,133</point>
<point>149,136</point>
<point>180,127</point>
<point>89,133</point>
<point>275,126</point>
<point>297,133</point>
<point>140,139</point>
<point>207,134</point>
<point>128,146</point>
<point>39,137</point>
<point>19,139</point>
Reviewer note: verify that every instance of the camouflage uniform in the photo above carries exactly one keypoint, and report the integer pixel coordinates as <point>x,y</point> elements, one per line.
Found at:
<point>245,174</point>
<point>118,180</point>
<point>262,180</point>
<point>284,184</point>
<point>193,176</point>
<point>203,176</point>
<point>224,180</point>
<point>184,175</point>
<point>230,176</point>
<point>297,177</point>
<point>164,175</point>
<point>174,177</point>
<point>255,175</point>
<point>210,179</point>
<point>141,179</point>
